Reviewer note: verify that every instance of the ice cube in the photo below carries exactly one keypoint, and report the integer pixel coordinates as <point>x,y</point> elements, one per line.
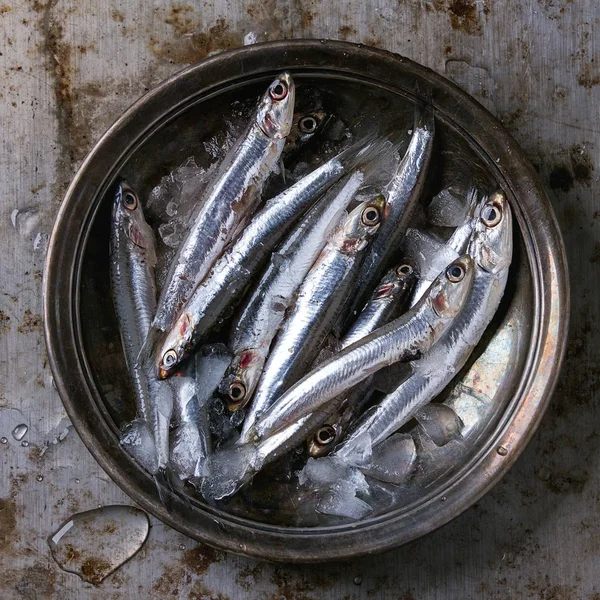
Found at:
<point>392,460</point>
<point>439,422</point>
<point>138,441</point>
<point>447,209</point>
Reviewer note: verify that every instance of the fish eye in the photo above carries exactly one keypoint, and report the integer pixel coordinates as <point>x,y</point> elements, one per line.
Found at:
<point>308,124</point>
<point>404,270</point>
<point>491,214</point>
<point>129,201</point>
<point>278,90</point>
<point>169,358</point>
<point>455,273</point>
<point>325,435</point>
<point>370,216</point>
<point>237,391</point>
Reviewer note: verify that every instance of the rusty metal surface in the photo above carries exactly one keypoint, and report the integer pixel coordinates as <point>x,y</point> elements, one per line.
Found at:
<point>70,69</point>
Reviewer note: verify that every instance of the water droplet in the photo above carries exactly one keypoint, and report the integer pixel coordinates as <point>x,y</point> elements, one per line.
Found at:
<point>24,443</point>
<point>3,440</point>
<point>357,580</point>
<point>502,451</point>
<point>95,543</point>
<point>76,479</point>
<point>182,547</point>
<point>19,431</point>
<point>39,478</point>
<point>443,498</point>
<point>544,474</point>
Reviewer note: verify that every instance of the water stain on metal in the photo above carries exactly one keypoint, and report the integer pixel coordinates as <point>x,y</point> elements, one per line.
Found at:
<point>190,45</point>
<point>37,582</point>
<point>560,179</point>
<point>8,521</point>
<point>199,559</point>
<point>30,323</point>
<point>588,77</point>
<point>4,321</point>
<point>464,15</point>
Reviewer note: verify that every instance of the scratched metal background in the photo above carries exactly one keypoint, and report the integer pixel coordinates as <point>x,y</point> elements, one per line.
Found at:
<point>68,69</point>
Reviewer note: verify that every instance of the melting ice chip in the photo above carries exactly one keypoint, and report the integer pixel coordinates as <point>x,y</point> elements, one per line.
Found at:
<point>447,209</point>
<point>95,543</point>
<point>392,460</point>
<point>19,431</point>
<point>440,423</point>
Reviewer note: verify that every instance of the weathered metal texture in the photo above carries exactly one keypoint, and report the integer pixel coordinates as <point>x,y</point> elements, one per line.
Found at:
<point>69,70</point>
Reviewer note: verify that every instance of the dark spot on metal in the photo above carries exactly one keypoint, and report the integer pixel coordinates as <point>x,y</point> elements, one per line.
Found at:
<point>189,47</point>
<point>30,323</point>
<point>94,570</point>
<point>581,164</point>
<point>117,15</point>
<point>463,15</point>
<point>595,258</point>
<point>561,178</point>
<point>448,49</point>
<point>4,321</point>
<point>345,31</point>
<point>198,559</point>
<point>588,77</point>
<point>8,521</point>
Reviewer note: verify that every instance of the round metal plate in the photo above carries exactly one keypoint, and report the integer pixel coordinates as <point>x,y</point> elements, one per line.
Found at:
<point>539,307</point>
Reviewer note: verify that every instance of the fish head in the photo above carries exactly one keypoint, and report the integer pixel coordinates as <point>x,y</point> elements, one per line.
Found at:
<point>447,294</point>
<point>175,347</point>
<point>304,126</point>
<point>276,108</point>
<point>241,378</point>
<point>128,215</point>
<point>491,242</point>
<point>395,280</point>
<point>360,225</point>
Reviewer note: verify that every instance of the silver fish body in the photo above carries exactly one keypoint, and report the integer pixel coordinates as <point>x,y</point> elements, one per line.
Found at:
<point>231,274</point>
<point>401,195</point>
<point>317,305</point>
<point>405,338</point>
<point>263,314</point>
<point>386,303</point>
<point>230,199</point>
<point>490,246</point>
<point>132,261</point>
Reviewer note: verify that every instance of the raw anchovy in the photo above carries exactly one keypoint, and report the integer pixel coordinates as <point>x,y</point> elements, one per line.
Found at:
<point>491,248</point>
<point>401,196</point>
<point>404,338</point>
<point>132,260</point>
<point>264,312</point>
<point>429,266</point>
<point>231,274</point>
<point>386,303</point>
<point>319,298</point>
<point>230,198</point>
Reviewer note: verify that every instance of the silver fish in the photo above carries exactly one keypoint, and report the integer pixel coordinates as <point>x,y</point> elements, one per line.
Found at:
<point>386,303</point>
<point>404,338</point>
<point>490,246</point>
<point>132,261</point>
<point>231,274</point>
<point>317,305</point>
<point>401,196</point>
<point>230,198</point>
<point>264,311</point>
